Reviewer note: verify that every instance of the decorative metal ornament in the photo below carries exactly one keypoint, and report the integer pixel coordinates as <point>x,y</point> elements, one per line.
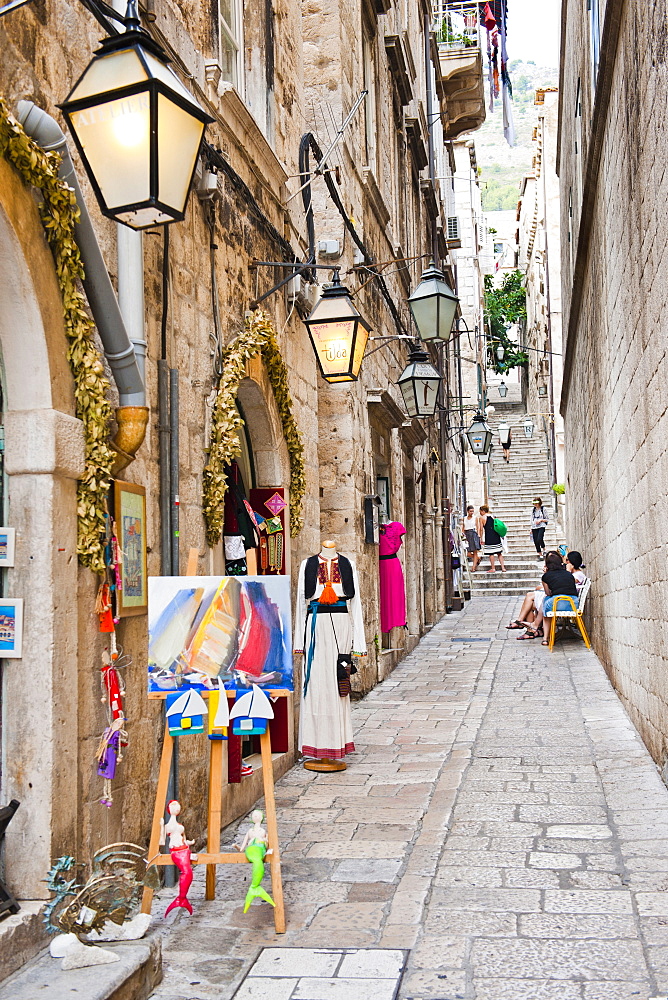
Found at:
<point>111,892</point>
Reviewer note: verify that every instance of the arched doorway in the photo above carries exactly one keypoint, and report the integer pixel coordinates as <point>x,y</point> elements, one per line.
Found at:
<point>259,475</point>
<point>44,453</point>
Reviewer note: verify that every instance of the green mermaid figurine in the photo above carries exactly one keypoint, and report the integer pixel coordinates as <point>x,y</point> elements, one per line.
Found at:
<point>254,846</point>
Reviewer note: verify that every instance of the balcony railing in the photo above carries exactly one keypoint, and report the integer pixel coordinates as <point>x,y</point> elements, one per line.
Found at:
<point>456,25</point>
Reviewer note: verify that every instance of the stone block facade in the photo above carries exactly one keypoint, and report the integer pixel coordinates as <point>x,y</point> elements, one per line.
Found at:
<point>615,299</point>
<point>539,231</point>
<point>287,71</point>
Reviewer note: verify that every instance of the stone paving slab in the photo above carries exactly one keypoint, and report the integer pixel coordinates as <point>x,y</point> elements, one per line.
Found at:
<point>323,974</point>
<point>501,820</point>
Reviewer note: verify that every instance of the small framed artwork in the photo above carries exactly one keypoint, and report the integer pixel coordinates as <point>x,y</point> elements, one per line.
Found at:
<point>383,490</point>
<point>130,517</point>
<point>6,547</point>
<point>11,628</point>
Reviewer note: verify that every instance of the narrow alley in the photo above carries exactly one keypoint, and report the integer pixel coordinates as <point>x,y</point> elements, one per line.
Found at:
<point>500,831</point>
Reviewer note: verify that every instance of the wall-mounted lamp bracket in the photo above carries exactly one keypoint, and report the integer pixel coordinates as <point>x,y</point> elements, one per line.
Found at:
<point>297,266</point>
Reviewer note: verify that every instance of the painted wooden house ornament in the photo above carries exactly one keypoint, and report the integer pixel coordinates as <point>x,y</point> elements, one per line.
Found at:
<point>185,713</point>
<point>250,713</point>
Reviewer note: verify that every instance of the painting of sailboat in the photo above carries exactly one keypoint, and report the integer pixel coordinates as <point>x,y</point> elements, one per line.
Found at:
<point>231,629</point>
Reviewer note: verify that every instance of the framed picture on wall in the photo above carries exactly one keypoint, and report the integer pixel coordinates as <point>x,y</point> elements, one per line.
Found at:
<point>11,628</point>
<point>130,517</point>
<point>383,490</point>
<point>6,547</point>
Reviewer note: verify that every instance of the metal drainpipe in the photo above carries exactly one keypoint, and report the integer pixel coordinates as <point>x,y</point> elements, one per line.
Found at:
<point>442,435</point>
<point>460,390</point>
<point>132,414</point>
<point>430,130</point>
<point>130,250</point>
<point>174,464</point>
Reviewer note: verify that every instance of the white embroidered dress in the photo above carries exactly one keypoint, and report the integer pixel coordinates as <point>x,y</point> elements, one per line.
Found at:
<point>325,724</point>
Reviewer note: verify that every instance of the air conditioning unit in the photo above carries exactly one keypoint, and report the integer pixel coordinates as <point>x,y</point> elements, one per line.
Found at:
<point>301,293</point>
<point>453,234</point>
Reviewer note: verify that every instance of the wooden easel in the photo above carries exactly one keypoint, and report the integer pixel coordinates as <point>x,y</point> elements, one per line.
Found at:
<point>213,855</point>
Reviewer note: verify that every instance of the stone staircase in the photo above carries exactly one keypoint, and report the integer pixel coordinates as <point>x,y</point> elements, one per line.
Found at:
<point>513,486</point>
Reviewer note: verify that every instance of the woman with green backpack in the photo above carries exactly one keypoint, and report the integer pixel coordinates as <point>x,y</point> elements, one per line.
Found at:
<point>494,530</point>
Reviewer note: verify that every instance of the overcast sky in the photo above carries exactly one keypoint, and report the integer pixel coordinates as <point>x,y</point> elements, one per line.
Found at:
<point>533,31</point>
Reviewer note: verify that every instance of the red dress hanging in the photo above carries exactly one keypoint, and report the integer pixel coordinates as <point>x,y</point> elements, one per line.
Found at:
<point>392,589</point>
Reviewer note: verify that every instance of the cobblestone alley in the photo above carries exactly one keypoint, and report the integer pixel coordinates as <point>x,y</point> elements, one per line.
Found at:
<point>501,827</point>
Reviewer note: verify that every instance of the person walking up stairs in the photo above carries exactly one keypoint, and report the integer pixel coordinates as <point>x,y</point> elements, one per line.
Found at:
<point>514,484</point>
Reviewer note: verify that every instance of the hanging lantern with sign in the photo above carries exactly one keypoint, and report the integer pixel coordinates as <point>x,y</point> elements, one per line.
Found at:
<point>528,428</point>
<point>338,334</point>
<point>137,128</point>
<point>479,435</point>
<point>419,383</point>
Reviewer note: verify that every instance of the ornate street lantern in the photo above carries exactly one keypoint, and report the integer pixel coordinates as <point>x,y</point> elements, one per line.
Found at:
<point>137,128</point>
<point>479,436</point>
<point>528,427</point>
<point>433,305</point>
<point>338,334</point>
<point>503,390</point>
<point>500,352</point>
<point>419,383</point>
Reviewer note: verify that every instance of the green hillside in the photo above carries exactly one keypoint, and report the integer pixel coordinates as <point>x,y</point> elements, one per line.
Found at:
<point>502,168</point>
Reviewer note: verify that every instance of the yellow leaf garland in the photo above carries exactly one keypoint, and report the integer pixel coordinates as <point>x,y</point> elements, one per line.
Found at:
<point>258,337</point>
<point>59,212</point>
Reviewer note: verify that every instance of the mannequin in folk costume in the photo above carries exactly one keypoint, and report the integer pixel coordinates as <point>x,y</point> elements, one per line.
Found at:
<point>328,620</point>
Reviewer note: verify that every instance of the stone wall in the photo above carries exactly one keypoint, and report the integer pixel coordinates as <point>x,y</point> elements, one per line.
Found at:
<point>302,69</point>
<point>540,257</point>
<point>615,401</point>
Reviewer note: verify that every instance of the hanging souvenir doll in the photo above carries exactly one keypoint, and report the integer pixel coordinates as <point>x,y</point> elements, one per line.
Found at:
<point>114,738</point>
<point>329,618</point>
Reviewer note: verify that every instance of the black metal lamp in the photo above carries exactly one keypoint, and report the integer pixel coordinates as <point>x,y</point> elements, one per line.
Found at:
<point>503,390</point>
<point>528,428</point>
<point>433,305</point>
<point>338,334</point>
<point>500,352</point>
<point>479,436</point>
<point>419,383</point>
<point>137,128</point>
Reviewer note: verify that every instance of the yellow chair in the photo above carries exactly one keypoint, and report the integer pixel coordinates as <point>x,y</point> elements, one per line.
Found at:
<point>572,613</point>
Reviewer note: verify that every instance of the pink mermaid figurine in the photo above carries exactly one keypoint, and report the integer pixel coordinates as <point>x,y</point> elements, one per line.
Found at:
<point>179,849</point>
